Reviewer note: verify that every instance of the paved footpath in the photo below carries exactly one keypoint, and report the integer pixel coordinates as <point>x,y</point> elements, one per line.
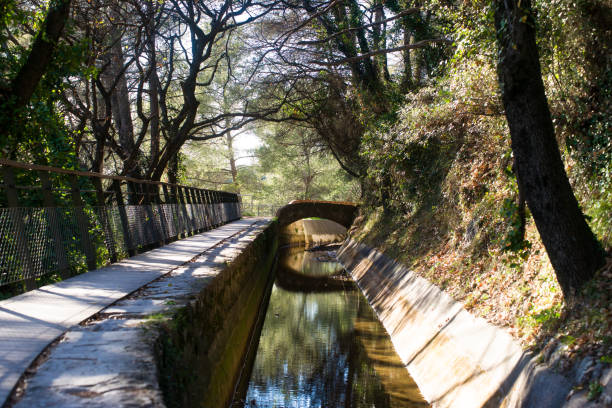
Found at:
<point>30,322</point>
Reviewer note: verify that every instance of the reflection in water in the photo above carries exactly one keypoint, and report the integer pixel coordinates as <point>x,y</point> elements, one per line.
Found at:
<point>305,272</point>
<point>310,263</point>
<point>324,349</point>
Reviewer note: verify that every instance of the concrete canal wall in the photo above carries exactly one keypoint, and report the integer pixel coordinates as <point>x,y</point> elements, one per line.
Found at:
<point>201,350</point>
<point>456,359</point>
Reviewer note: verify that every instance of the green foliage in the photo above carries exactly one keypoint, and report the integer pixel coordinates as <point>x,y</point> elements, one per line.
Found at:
<point>293,165</point>
<point>606,359</point>
<point>591,139</point>
<point>409,152</point>
<point>38,132</point>
<point>514,241</point>
<point>595,390</point>
<point>573,40</point>
<point>567,340</point>
<point>546,319</point>
<point>473,31</point>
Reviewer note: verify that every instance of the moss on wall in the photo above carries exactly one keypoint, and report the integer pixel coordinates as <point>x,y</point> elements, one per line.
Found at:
<point>201,350</point>
<point>292,234</point>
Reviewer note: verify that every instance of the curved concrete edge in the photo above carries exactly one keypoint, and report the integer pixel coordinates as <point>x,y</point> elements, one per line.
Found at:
<point>456,359</point>
<point>341,212</point>
<point>311,233</point>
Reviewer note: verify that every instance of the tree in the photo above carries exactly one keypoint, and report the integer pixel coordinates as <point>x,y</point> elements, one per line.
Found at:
<point>33,61</point>
<point>201,60</point>
<point>21,88</point>
<point>336,54</point>
<point>297,165</point>
<point>572,248</point>
<point>149,86</point>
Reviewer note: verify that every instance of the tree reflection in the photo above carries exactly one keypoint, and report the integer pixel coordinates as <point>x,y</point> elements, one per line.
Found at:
<point>325,350</point>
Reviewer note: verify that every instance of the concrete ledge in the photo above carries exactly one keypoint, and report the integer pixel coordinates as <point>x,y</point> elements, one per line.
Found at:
<point>30,322</point>
<point>201,350</point>
<point>456,359</point>
<point>109,360</point>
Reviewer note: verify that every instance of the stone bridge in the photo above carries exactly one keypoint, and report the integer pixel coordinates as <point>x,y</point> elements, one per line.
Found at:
<point>343,213</point>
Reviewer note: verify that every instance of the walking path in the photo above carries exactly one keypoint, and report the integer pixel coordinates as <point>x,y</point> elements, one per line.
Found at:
<point>30,322</point>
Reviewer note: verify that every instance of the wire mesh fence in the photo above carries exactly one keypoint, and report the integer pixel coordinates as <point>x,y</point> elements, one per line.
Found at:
<point>65,231</point>
<point>258,210</point>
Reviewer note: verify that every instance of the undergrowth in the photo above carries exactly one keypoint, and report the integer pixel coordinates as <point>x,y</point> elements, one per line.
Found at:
<point>450,213</point>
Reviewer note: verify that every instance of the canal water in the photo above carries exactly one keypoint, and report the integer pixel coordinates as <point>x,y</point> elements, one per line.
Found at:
<point>321,344</point>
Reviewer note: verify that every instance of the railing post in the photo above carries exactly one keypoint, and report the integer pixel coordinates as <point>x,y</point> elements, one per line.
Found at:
<point>192,213</point>
<point>215,200</point>
<point>83,222</point>
<point>183,206</point>
<point>219,208</point>
<point>108,232</point>
<point>54,225</point>
<point>213,212</point>
<point>194,210</point>
<point>207,210</point>
<point>180,212</point>
<point>196,202</point>
<point>224,207</point>
<point>168,199</point>
<point>151,226</point>
<point>125,225</point>
<point>162,214</point>
<point>207,215</point>
<point>202,199</point>
<point>21,237</point>
<point>235,207</point>
<point>231,207</point>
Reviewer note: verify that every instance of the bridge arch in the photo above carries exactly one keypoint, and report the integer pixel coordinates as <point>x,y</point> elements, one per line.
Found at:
<point>343,213</point>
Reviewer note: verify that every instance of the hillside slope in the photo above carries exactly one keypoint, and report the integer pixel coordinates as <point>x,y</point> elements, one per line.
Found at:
<point>452,214</point>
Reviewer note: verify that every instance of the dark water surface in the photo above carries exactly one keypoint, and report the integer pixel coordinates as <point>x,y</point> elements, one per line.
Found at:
<point>321,344</point>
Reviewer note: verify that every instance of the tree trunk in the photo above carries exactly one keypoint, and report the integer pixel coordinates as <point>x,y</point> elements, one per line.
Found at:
<point>379,35</point>
<point>406,83</point>
<point>153,89</point>
<point>572,248</point>
<point>307,175</point>
<point>232,158</point>
<point>121,108</point>
<point>35,66</point>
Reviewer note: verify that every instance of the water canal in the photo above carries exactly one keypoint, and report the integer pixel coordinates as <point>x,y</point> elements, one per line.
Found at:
<point>321,344</point>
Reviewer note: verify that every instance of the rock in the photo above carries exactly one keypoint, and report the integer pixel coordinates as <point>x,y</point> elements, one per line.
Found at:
<point>556,357</point>
<point>548,349</point>
<point>582,370</point>
<point>606,381</point>
<point>597,370</point>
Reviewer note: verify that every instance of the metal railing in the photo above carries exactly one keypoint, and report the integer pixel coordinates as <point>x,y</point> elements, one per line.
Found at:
<point>258,210</point>
<point>65,221</point>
